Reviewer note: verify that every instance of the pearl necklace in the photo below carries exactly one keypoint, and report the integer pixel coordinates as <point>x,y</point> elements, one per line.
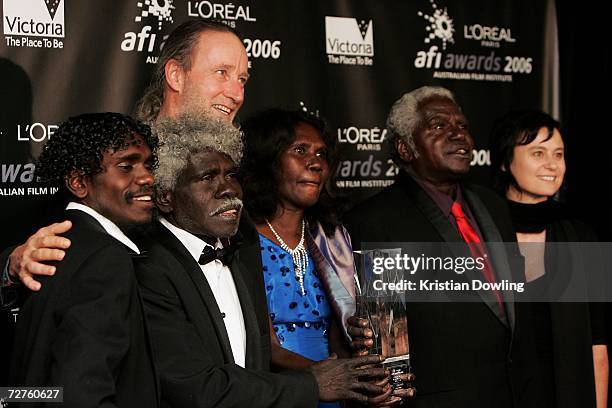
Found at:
<point>298,254</point>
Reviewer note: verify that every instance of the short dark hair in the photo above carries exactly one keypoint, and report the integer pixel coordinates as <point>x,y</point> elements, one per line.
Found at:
<point>515,128</point>
<point>179,46</point>
<point>267,135</point>
<point>80,142</point>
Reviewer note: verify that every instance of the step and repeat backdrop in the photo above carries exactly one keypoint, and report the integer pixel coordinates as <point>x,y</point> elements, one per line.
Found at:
<point>348,61</point>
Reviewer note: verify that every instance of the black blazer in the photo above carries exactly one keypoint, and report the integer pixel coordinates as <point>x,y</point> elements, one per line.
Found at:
<point>566,332</point>
<point>463,354</point>
<point>85,329</point>
<point>191,344</point>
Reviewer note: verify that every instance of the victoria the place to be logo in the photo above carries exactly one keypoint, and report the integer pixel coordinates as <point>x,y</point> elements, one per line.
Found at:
<point>34,23</point>
<point>348,41</point>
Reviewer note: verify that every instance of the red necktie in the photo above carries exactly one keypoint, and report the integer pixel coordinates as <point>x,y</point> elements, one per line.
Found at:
<point>477,249</point>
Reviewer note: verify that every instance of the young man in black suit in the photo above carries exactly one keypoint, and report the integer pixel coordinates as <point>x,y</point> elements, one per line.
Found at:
<point>85,329</point>
<point>474,354</point>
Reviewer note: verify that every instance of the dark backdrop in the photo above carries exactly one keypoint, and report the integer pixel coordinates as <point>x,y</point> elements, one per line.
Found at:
<point>92,72</point>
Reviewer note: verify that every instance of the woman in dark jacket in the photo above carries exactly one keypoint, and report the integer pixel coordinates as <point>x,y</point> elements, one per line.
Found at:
<point>528,161</point>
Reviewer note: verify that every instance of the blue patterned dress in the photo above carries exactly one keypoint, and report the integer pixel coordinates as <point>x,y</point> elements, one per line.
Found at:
<point>300,322</point>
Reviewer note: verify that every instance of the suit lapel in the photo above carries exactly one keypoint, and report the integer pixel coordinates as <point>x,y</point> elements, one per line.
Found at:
<point>449,234</point>
<point>496,251</point>
<point>432,212</point>
<point>253,346</point>
<point>136,258</point>
<point>193,270</point>
<point>80,217</point>
<point>247,267</point>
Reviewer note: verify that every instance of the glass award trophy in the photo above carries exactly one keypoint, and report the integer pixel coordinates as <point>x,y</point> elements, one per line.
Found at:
<point>385,310</point>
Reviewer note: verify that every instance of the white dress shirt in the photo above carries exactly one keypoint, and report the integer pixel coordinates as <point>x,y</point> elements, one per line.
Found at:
<point>110,227</point>
<point>221,283</point>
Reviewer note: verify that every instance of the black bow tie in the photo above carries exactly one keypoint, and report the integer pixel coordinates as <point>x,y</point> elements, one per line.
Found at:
<point>209,254</point>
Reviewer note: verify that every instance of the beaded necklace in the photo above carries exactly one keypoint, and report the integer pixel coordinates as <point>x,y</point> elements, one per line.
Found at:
<point>298,254</point>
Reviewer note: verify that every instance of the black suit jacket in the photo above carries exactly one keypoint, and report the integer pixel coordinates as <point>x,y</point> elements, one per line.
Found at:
<point>85,329</point>
<point>191,343</point>
<point>463,354</point>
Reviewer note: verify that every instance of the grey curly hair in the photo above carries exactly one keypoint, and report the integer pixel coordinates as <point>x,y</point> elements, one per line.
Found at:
<point>189,134</point>
<point>405,116</point>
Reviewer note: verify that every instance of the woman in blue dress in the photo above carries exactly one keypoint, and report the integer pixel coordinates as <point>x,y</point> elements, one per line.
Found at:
<point>306,253</point>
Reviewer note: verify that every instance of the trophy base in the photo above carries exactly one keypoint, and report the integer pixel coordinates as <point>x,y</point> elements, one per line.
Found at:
<point>399,366</point>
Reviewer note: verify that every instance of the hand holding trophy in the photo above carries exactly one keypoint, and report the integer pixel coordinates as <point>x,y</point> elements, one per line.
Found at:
<point>380,325</point>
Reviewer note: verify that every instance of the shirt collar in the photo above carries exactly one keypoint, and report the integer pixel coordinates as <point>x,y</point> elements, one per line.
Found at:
<point>193,244</point>
<point>444,201</point>
<point>110,227</point>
